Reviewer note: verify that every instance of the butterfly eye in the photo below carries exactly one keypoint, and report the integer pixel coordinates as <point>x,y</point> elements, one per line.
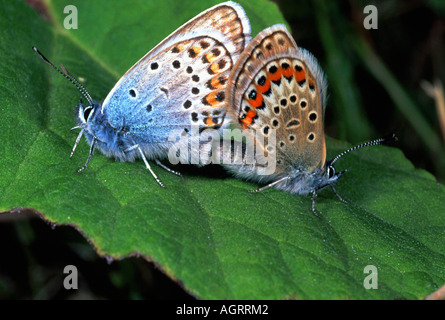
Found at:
<point>88,112</point>
<point>331,171</point>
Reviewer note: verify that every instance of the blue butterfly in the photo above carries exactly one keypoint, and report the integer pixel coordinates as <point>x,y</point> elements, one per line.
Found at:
<point>179,83</point>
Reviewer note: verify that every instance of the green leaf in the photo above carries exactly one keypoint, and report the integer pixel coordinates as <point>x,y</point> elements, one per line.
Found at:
<point>204,229</point>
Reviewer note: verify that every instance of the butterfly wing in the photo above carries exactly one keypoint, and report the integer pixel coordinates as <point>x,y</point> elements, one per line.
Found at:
<point>182,80</point>
<point>279,88</point>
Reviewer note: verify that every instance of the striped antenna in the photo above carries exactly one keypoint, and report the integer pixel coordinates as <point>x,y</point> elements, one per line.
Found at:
<point>366,144</point>
<point>68,76</point>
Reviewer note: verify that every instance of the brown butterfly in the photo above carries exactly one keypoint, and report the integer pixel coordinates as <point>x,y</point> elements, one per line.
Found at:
<point>277,93</point>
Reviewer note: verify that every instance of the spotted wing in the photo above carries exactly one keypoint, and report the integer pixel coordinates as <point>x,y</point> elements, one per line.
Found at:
<point>182,80</point>
<point>279,88</point>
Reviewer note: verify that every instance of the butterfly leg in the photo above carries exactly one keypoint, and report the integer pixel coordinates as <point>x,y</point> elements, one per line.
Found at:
<point>159,163</point>
<point>77,140</point>
<point>267,186</point>
<point>314,195</point>
<point>93,145</point>
<point>148,167</point>
<point>131,148</point>
<point>338,196</point>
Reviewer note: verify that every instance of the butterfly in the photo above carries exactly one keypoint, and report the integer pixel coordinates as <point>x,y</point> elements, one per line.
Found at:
<point>179,83</point>
<point>277,95</point>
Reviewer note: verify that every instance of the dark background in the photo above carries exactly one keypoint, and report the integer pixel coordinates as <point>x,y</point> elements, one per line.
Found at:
<point>409,43</point>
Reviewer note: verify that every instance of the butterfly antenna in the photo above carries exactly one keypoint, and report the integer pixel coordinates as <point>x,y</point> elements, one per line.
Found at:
<point>366,144</point>
<point>84,91</point>
<point>68,76</point>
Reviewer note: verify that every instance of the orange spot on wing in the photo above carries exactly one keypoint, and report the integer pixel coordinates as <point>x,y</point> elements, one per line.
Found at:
<point>251,113</point>
<point>257,102</point>
<point>197,49</point>
<point>210,57</point>
<point>311,83</point>
<point>215,83</point>
<point>212,99</point>
<point>246,121</point>
<point>214,67</point>
<point>300,75</point>
<point>275,76</point>
<point>287,72</point>
<point>209,121</point>
<point>265,87</point>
